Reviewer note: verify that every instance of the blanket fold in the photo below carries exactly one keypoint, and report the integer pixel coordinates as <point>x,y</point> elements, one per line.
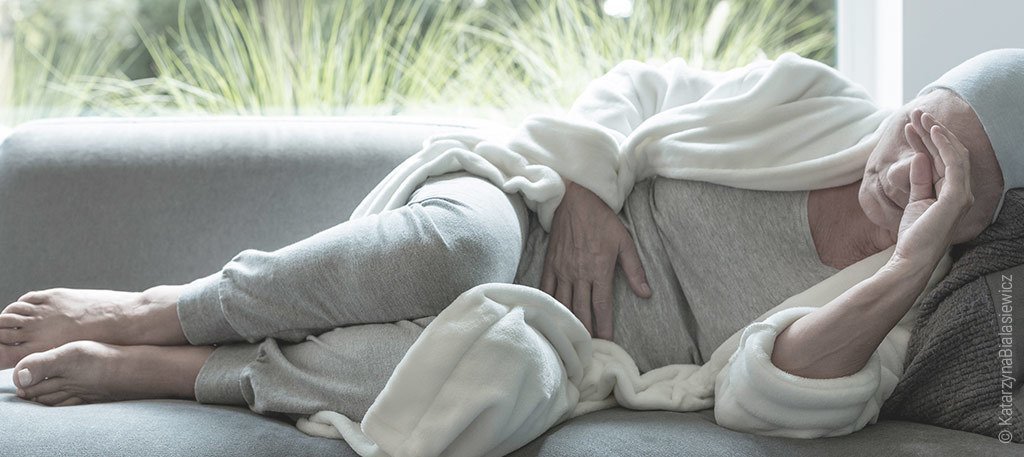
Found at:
<point>788,124</point>
<point>505,362</point>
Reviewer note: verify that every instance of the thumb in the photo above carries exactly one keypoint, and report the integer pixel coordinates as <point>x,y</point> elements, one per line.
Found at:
<point>921,178</point>
<point>634,270</point>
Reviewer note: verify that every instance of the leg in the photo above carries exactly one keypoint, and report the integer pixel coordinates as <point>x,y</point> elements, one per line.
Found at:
<point>456,232</point>
<point>381,268</point>
<point>341,370</point>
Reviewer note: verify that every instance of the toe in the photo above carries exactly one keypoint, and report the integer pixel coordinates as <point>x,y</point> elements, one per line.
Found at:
<point>53,398</point>
<point>44,387</point>
<point>11,320</point>
<point>37,367</point>
<point>19,307</point>
<point>35,297</point>
<point>11,336</point>
<point>11,355</point>
<point>73,401</point>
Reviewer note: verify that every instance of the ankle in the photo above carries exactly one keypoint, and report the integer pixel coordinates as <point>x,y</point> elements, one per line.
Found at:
<point>156,318</point>
<point>161,295</point>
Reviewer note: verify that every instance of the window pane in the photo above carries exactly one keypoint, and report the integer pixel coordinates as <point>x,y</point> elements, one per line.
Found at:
<point>498,59</point>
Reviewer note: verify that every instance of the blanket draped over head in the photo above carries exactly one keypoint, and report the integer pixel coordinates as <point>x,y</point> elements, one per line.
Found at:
<point>503,363</point>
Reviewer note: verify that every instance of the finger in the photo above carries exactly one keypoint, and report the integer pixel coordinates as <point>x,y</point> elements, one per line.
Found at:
<point>563,293</point>
<point>635,275</point>
<point>917,121</point>
<point>547,279</point>
<point>958,165</point>
<point>953,153</point>
<point>921,178</point>
<point>914,139</point>
<point>918,144</point>
<point>603,308</point>
<point>581,304</point>
<point>924,124</point>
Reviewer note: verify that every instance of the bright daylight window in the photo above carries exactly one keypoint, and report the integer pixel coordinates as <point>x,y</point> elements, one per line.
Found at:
<point>495,59</point>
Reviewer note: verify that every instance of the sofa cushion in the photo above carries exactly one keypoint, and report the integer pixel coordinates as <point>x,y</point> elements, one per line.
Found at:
<point>663,433</point>
<point>127,204</point>
<point>150,428</point>
<point>157,428</point>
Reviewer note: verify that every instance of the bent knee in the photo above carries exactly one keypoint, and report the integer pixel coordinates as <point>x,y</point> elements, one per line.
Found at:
<point>473,245</point>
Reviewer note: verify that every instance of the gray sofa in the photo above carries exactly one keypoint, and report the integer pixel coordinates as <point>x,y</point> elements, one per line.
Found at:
<point>131,203</point>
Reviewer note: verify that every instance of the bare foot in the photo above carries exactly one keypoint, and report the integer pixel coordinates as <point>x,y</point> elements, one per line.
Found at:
<point>91,372</point>
<point>44,320</point>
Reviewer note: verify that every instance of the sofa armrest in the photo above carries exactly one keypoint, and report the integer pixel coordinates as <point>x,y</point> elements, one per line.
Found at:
<point>131,203</point>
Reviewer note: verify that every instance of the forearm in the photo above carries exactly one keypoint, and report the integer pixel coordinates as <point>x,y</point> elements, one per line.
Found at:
<point>838,339</point>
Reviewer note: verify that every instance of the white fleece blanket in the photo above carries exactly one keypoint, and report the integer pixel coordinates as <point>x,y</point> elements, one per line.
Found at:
<point>504,362</point>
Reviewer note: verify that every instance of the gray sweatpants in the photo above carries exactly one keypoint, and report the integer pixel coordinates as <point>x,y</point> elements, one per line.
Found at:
<point>322,323</point>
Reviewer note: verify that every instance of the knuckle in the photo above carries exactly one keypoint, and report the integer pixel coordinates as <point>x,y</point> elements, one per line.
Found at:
<point>78,348</point>
<point>967,201</point>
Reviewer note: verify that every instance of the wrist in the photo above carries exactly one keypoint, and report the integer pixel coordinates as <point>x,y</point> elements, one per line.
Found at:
<point>910,268</point>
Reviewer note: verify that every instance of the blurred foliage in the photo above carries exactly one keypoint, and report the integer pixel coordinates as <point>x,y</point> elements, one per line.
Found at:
<point>500,59</point>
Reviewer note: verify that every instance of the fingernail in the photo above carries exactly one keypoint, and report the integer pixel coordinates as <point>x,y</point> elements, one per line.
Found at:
<point>25,377</point>
<point>645,288</point>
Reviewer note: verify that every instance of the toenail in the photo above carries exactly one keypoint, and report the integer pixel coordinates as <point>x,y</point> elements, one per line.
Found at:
<point>25,377</point>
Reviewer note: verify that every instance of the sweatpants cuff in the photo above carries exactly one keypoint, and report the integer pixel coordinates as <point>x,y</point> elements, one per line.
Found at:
<point>201,315</point>
<point>219,379</point>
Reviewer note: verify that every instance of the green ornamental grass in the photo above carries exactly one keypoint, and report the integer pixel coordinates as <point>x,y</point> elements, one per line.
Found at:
<point>496,59</point>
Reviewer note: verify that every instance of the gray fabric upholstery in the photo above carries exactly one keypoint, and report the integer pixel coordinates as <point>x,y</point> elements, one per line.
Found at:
<point>173,428</point>
<point>131,203</point>
<point>156,428</point>
<point>128,204</point>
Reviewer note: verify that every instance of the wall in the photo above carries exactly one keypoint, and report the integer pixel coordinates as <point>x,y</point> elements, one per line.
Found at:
<point>895,47</point>
<point>940,34</point>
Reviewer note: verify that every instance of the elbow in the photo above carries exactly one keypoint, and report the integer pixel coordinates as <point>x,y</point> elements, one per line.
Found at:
<point>787,356</point>
<point>741,408</point>
<point>753,395</point>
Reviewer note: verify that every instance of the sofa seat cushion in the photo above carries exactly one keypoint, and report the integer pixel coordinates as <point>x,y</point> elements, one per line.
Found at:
<point>157,428</point>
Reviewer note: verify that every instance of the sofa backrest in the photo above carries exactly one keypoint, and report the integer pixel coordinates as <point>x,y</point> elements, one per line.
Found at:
<point>131,203</point>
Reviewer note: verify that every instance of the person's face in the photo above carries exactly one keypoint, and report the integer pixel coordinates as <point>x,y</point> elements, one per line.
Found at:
<point>885,187</point>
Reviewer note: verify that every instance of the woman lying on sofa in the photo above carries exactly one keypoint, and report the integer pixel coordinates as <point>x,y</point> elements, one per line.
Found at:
<point>322,323</point>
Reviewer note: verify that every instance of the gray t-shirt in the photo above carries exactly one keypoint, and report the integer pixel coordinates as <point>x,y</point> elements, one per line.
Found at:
<point>716,257</point>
